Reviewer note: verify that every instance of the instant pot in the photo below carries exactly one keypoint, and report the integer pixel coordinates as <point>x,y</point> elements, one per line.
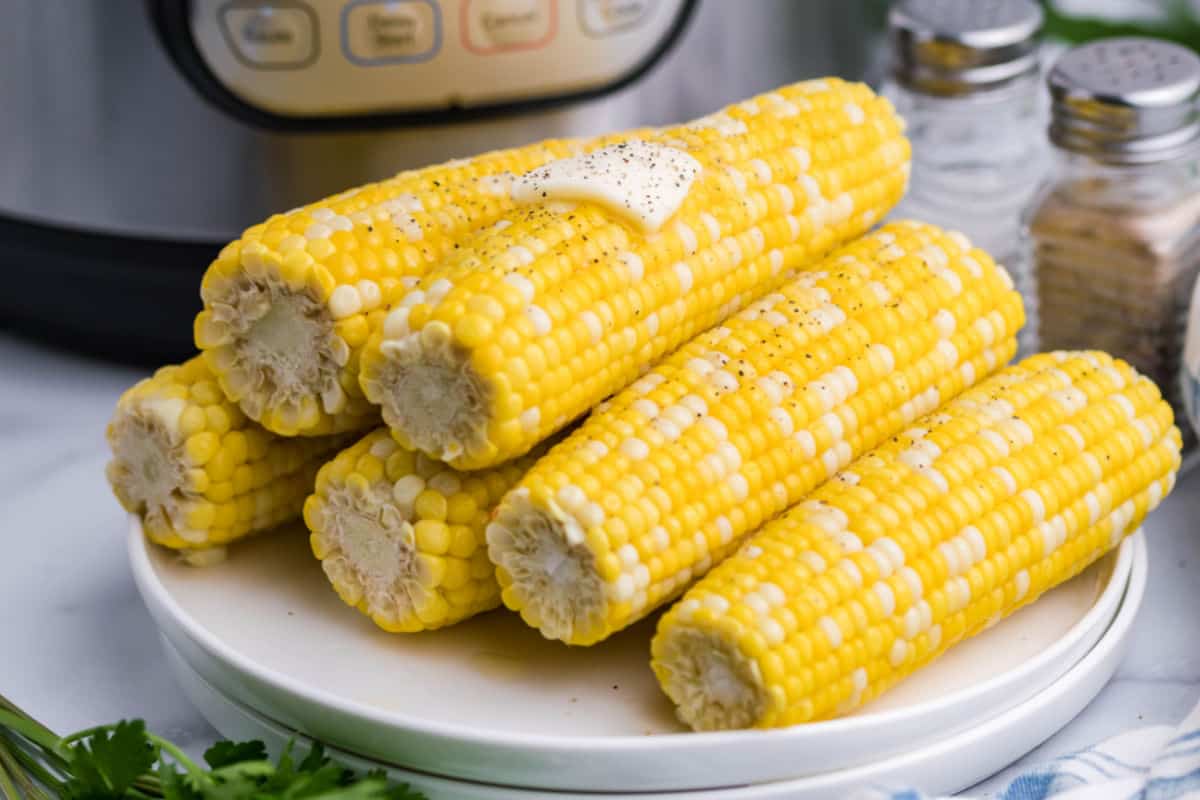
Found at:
<point>138,137</point>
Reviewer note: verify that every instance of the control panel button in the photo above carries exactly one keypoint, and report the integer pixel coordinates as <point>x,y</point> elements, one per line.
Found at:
<point>271,35</point>
<point>391,31</point>
<point>492,26</point>
<point>606,17</point>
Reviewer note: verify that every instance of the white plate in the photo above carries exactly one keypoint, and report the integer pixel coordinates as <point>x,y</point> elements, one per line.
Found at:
<point>491,700</point>
<point>945,767</point>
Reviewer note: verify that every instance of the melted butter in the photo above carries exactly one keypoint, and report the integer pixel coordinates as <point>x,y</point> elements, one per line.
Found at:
<point>643,182</point>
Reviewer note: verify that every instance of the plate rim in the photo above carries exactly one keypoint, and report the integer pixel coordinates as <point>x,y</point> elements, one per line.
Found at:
<point>148,581</point>
<point>1115,637</point>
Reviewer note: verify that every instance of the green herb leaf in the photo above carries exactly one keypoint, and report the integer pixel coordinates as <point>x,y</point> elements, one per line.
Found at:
<point>374,788</point>
<point>106,762</point>
<point>315,776</point>
<point>176,785</point>
<point>315,759</point>
<point>225,752</point>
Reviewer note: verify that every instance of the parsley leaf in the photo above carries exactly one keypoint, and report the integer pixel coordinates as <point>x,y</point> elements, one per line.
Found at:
<point>106,763</point>
<point>224,753</point>
<point>175,785</point>
<point>314,776</point>
<point>315,759</point>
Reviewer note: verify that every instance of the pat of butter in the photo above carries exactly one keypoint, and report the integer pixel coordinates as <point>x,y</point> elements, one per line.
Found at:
<point>643,182</point>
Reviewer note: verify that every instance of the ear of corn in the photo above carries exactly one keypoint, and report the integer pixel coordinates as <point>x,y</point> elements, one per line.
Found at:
<point>289,305</point>
<point>978,509</point>
<point>662,482</point>
<point>401,536</point>
<point>197,472</point>
<point>535,320</point>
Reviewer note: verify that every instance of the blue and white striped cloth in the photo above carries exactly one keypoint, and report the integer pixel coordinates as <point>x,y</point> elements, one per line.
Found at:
<point>1154,763</point>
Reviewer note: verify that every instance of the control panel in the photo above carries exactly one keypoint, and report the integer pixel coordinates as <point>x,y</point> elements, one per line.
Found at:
<point>328,58</point>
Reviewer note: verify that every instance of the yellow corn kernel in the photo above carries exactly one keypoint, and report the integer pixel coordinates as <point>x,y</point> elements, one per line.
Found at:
<point>528,325</point>
<point>466,595</point>
<point>461,508</point>
<point>220,492</point>
<point>463,541</point>
<point>219,417</point>
<point>432,569</point>
<point>432,536</point>
<point>192,421</point>
<point>201,447</point>
<point>458,574</point>
<point>199,516</point>
<point>431,505</point>
<point>384,541</point>
<point>196,471</point>
<point>435,612</point>
<point>207,393</point>
<point>855,588</point>
<point>665,479</point>
<point>196,481</point>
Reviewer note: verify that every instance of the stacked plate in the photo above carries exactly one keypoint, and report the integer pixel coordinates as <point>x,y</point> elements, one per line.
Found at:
<point>488,709</point>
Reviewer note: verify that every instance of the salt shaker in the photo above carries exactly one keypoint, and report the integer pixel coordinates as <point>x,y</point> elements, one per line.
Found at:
<point>964,75</point>
<point>1115,233</point>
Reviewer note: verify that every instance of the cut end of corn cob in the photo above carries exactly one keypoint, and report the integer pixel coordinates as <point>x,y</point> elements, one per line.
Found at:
<point>401,536</point>
<point>274,345</point>
<point>289,306</point>
<point>534,320</point>
<point>662,481</point>
<point>148,464</point>
<point>972,512</point>
<point>713,684</point>
<point>197,472</point>
<point>545,570</point>
<point>429,393</point>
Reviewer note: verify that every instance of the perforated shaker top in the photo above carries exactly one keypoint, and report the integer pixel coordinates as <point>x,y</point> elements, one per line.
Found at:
<point>1126,99</point>
<point>949,47</point>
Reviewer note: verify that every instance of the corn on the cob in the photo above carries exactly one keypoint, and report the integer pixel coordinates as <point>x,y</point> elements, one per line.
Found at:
<point>1004,493</point>
<point>401,536</point>
<point>197,472</point>
<point>744,421</point>
<point>288,306</point>
<point>537,319</point>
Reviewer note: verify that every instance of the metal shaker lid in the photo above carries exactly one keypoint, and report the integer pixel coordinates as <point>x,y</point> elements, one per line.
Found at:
<point>1127,100</point>
<point>953,47</point>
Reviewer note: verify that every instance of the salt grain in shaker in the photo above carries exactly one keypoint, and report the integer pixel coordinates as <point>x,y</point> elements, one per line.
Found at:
<point>964,75</point>
<point>1114,235</point>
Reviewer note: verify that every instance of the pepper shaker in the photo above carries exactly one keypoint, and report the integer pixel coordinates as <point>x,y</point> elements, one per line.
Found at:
<point>1114,235</point>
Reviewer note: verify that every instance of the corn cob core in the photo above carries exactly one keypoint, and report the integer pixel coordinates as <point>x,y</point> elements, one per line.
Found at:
<point>978,509</point>
<point>401,536</point>
<point>197,472</point>
<point>288,306</point>
<point>535,320</point>
<point>662,482</point>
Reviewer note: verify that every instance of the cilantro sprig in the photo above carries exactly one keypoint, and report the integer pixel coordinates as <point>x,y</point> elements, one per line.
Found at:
<point>124,761</point>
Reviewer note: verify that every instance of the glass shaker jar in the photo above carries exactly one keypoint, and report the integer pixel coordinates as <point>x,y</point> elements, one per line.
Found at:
<point>1190,376</point>
<point>964,75</point>
<point>1115,233</point>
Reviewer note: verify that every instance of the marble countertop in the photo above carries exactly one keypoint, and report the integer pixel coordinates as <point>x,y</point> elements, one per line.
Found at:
<point>80,649</point>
